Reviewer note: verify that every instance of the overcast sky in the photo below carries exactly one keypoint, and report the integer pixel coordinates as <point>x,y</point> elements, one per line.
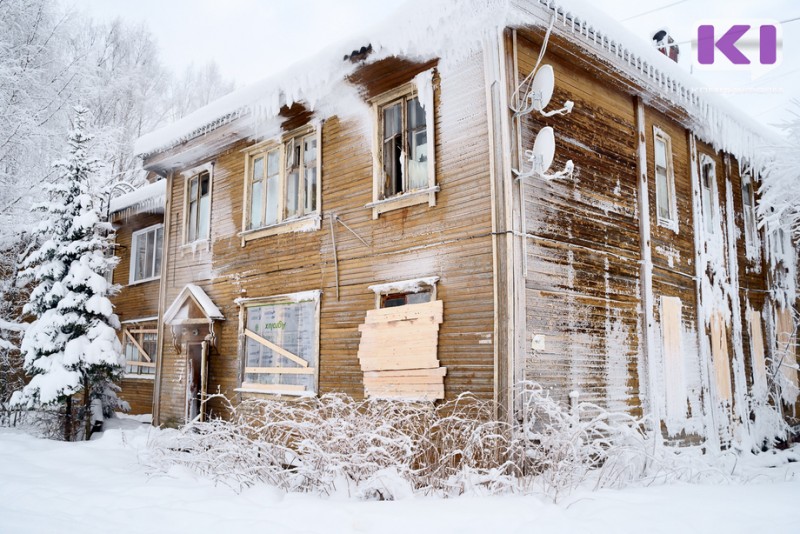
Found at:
<point>250,39</point>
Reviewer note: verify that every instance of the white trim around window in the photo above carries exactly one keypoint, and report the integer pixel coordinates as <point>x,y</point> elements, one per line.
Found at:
<point>201,231</point>
<point>148,242</point>
<point>283,184</point>
<point>664,175</point>
<point>407,106</point>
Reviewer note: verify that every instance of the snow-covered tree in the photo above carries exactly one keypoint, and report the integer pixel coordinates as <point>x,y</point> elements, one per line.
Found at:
<point>72,344</point>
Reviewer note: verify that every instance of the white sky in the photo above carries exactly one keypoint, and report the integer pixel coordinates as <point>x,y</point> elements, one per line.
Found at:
<point>251,39</point>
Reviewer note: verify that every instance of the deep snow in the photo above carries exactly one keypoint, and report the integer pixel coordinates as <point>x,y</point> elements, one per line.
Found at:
<point>100,486</point>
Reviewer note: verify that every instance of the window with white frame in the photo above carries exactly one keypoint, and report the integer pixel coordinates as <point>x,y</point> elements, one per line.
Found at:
<point>708,191</point>
<point>749,213</point>
<point>140,345</point>
<point>198,207</point>
<point>146,251</point>
<point>665,180</point>
<point>404,147</point>
<point>281,344</point>
<point>283,180</point>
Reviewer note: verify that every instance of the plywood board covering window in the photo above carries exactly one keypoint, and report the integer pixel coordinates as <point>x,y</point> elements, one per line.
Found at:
<point>140,343</point>
<point>674,376</point>
<point>757,352</point>
<point>719,353</point>
<point>281,345</point>
<point>398,352</point>
<point>666,207</point>
<point>787,347</point>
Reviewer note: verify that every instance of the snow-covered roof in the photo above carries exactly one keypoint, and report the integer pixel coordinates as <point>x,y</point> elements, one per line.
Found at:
<point>454,29</point>
<point>191,291</point>
<point>149,198</point>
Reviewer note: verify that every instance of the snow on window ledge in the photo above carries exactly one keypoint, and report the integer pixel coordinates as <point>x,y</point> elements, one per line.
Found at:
<point>668,224</point>
<point>404,200</point>
<point>144,281</point>
<point>274,393</point>
<point>134,376</point>
<point>308,223</point>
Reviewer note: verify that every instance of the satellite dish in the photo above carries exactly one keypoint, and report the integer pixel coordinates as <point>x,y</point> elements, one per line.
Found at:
<point>544,149</point>
<point>542,87</point>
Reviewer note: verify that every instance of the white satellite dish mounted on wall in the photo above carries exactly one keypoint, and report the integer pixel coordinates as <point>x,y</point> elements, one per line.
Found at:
<point>541,158</point>
<point>540,92</point>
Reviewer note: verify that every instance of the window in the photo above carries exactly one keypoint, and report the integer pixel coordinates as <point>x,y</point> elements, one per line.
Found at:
<point>749,213</point>
<point>404,147</point>
<point>281,344</point>
<point>198,207</point>
<point>401,299</point>
<point>283,181</point>
<point>665,181</point>
<point>708,189</point>
<point>140,346</point>
<point>146,248</point>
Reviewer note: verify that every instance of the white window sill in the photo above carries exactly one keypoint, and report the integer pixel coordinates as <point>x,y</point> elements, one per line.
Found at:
<point>668,224</point>
<point>139,282</point>
<point>404,200</point>
<point>274,393</point>
<point>306,223</point>
<point>194,246</point>
<point>133,376</point>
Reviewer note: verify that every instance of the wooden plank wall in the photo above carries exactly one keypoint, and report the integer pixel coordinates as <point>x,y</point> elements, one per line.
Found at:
<point>450,240</point>
<point>583,246</point>
<point>135,301</point>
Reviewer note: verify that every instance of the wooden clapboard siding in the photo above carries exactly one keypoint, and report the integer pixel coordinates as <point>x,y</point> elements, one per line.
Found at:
<point>134,301</point>
<point>450,240</point>
<point>583,249</point>
<point>138,393</point>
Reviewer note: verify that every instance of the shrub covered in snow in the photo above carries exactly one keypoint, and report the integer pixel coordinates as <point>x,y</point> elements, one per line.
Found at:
<point>379,449</point>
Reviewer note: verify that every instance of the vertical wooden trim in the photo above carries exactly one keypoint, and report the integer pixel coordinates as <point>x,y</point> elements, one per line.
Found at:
<point>318,136</point>
<point>703,344</point>
<point>248,184</point>
<point>647,385</point>
<point>737,364</point>
<point>162,296</point>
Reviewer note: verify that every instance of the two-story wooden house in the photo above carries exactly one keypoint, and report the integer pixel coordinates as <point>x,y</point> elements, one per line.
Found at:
<point>358,224</point>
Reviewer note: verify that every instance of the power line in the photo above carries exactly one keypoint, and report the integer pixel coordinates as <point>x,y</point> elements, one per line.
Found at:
<point>653,10</point>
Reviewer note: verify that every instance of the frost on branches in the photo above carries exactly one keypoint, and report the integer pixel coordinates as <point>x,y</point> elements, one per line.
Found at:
<point>71,345</point>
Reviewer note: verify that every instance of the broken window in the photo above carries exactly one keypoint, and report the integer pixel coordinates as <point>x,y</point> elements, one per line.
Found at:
<point>392,300</point>
<point>198,207</point>
<point>277,192</point>
<point>281,345</point>
<point>140,345</point>
<point>146,250</point>
<point>404,146</point>
<point>665,181</point>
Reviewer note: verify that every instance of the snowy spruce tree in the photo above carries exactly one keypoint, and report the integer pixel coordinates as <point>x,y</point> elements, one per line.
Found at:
<point>71,346</point>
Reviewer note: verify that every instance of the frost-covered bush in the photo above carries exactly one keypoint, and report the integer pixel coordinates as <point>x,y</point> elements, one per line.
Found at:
<point>380,449</point>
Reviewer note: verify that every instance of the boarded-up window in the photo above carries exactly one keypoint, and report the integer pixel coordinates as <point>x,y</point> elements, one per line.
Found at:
<point>674,376</point>
<point>140,344</point>
<point>757,353</point>
<point>719,353</point>
<point>281,345</point>
<point>399,352</point>
<point>786,347</point>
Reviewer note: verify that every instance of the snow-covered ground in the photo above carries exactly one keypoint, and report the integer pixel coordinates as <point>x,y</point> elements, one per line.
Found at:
<point>100,486</point>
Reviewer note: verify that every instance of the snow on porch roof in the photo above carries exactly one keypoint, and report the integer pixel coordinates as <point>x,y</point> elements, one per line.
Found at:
<point>200,297</point>
<point>150,198</point>
<point>454,29</point>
